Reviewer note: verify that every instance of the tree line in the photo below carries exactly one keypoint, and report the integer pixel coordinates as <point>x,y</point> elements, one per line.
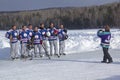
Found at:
<point>71,17</point>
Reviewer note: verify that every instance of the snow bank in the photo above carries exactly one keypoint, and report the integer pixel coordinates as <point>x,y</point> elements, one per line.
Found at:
<point>4,43</point>
<point>87,40</point>
<point>79,40</point>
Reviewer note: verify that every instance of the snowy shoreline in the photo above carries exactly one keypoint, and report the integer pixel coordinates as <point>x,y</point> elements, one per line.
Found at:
<point>78,41</point>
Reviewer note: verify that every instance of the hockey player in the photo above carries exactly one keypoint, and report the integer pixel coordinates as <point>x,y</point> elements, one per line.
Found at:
<point>105,36</point>
<point>30,30</point>
<point>62,37</point>
<point>12,34</point>
<point>53,40</point>
<point>37,38</point>
<point>45,34</point>
<point>30,33</point>
<point>24,38</point>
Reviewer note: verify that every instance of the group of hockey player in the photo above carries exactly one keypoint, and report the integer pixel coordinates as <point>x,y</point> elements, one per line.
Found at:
<point>51,40</point>
<point>33,41</point>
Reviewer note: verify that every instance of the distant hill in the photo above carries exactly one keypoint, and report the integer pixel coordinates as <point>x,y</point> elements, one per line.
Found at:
<point>71,17</point>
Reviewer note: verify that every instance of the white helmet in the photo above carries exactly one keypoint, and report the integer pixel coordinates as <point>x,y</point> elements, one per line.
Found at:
<point>48,34</point>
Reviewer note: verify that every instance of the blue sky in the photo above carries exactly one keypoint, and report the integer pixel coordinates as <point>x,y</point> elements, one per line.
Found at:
<point>16,5</point>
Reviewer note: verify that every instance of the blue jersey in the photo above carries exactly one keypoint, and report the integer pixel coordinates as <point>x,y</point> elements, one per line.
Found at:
<point>61,34</point>
<point>37,37</point>
<point>53,35</point>
<point>105,38</point>
<point>24,36</point>
<point>7,34</point>
<point>30,32</point>
<point>13,34</point>
<point>43,33</point>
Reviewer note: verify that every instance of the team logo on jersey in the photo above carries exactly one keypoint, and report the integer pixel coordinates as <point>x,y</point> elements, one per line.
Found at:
<point>36,36</point>
<point>52,31</point>
<point>25,35</point>
<point>48,34</point>
<point>43,33</point>
<point>15,34</point>
<point>30,33</point>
